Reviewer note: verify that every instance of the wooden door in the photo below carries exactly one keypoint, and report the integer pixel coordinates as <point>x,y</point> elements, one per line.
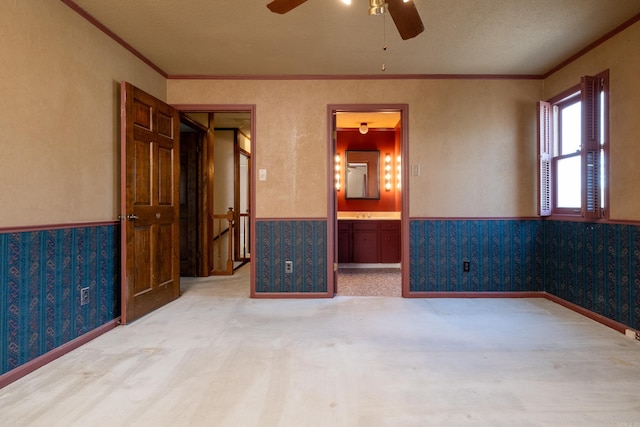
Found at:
<point>189,194</point>
<point>150,166</point>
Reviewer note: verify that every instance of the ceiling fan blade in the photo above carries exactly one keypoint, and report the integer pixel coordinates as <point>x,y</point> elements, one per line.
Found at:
<point>284,6</point>
<point>406,18</point>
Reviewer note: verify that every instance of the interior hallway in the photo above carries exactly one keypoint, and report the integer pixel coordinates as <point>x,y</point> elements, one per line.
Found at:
<point>215,357</point>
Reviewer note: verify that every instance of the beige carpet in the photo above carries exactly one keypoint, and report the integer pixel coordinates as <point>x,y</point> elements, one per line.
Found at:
<point>379,282</point>
<point>215,357</point>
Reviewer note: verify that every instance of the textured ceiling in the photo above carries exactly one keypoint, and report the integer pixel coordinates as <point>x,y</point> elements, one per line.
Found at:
<point>326,37</point>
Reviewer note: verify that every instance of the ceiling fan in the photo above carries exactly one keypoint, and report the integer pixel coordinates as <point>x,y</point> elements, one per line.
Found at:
<point>403,12</point>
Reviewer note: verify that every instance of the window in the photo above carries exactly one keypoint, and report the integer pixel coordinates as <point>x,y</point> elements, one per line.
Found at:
<point>573,150</point>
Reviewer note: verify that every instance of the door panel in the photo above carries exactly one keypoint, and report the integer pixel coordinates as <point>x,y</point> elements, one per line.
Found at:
<point>142,242</point>
<point>165,169</point>
<point>189,215</point>
<point>142,160</point>
<point>150,203</point>
<point>165,240</point>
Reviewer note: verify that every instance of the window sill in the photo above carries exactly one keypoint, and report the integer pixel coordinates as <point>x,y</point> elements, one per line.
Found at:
<point>576,218</point>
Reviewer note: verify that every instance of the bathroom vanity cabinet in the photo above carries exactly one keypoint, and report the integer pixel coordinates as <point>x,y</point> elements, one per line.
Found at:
<point>368,241</point>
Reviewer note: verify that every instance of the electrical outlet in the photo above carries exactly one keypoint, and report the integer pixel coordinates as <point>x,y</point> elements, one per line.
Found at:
<point>84,296</point>
<point>466,266</point>
<point>288,267</point>
<point>633,334</point>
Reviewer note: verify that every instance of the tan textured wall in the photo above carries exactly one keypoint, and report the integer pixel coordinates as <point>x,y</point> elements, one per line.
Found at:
<point>474,140</point>
<point>59,126</point>
<point>621,55</point>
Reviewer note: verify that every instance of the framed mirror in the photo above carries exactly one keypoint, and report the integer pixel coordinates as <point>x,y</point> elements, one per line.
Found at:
<point>362,174</point>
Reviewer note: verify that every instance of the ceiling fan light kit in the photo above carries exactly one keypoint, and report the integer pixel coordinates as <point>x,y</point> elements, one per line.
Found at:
<point>376,7</point>
<point>403,12</point>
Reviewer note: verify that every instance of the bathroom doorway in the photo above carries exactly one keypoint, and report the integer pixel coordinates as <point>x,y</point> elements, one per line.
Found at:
<point>368,202</point>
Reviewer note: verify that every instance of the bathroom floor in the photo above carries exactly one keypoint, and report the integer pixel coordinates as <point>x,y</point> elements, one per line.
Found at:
<point>385,282</point>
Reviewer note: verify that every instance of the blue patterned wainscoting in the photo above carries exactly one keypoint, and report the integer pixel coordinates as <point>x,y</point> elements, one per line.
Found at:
<point>504,255</point>
<point>302,241</point>
<point>41,274</point>
<point>595,266</point>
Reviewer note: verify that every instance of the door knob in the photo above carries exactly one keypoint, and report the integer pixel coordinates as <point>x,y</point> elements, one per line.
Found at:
<point>132,217</point>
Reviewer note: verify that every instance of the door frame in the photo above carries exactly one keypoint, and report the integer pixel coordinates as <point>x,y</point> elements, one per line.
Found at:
<point>229,108</point>
<point>332,208</point>
<point>238,153</point>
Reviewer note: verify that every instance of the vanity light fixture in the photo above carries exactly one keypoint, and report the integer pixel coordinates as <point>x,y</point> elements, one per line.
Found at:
<point>398,173</point>
<point>337,169</point>
<point>387,172</point>
<point>363,128</point>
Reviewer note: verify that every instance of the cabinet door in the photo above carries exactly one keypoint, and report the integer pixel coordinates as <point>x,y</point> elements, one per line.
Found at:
<point>365,246</point>
<point>389,246</point>
<point>390,241</point>
<point>344,245</point>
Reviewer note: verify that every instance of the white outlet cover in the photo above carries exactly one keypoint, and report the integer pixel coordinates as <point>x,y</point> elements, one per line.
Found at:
<point>262,174</point>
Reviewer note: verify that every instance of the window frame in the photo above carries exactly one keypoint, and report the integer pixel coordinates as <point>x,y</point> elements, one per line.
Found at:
<point>593,93</point>
<point>568,98</point>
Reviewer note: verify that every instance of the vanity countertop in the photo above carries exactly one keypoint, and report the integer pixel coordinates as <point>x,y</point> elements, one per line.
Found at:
<point>368,215</point>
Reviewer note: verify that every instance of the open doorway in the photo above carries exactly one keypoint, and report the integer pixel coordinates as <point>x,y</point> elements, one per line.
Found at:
<point>369,209</point>
<point>215,190</point>
<point>232,164</point>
